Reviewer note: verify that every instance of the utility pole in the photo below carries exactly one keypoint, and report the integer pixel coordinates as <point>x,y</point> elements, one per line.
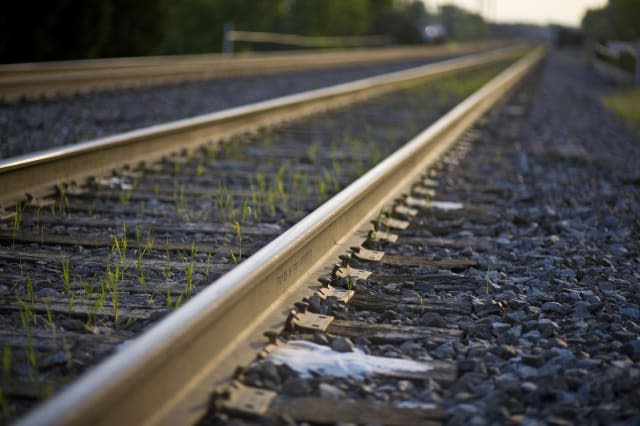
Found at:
<point>227,42</point>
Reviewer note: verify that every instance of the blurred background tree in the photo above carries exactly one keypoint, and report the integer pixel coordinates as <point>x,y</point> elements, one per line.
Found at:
<point>462,25</point>
<point>37,30</point>
<point>197,26</point>
<point>401,23</point>
<point>330,17</point>
<point>618,20</point>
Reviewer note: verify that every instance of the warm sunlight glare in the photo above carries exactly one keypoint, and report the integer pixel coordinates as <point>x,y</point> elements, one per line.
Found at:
<point>564,12</point>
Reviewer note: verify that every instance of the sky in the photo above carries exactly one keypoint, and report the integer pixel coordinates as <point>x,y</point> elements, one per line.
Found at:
<point>564,12</point>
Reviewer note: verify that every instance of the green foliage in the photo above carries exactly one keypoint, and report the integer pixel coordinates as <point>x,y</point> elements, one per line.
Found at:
<point>7,358</point>
<point>331,17</point>
<point>74,29</point>
<point>236,257</point>
<point>77,29</point>
<point>188,273</point>
<point>49,321</point>
<point>4,406</point>
<point>194,26</point>
<point>66,274</point>
<point>462,25</point>
<point>626,104</point>
<point>401,21</point>
<point>618,20</point>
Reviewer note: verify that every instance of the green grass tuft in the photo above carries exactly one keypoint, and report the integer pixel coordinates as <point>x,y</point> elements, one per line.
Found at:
<point>625,103</point>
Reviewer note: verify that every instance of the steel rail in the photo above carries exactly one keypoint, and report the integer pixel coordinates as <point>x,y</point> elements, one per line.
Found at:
<point>171,368</point>
<point>37,173</point>
<point>31,80</point>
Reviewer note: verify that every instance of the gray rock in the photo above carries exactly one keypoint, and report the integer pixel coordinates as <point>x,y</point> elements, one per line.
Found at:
<point>532,335</point>
<point>57,358</point>
<point>516,316</point>
<point>547,327</point>
<point>563,355</point>
<point>330,392</point>
<point>533,360</point>
<point>630,312</point>
<point>410,346</point>
<point>47,292</point>
<point>467,251</point>
<point>588,363</point>
<point>466,409</point>
<point>558,342</point>
<point>515,332</point>
<point>550,370</point>
<point>297,387</point>
<point>607,413</point>
<point>269,371</point>
<point>443,351</point>
<point>73,324</point>
<point>553,307</point>
<point>609,221</point>
<point>581,309</point>
<point>104,330</point>
<point>404,385</point>
<point>508,383</point>
<point>320,338</point>
<point>531,325</point>
<point>477,421</point>
<point>632,349</point>
<point>507,351</point>
<point>316,306</point>
<point>595,306</point>
<point>462,396</point>
<point>342,344</point>
<point>198,277</point>
<point>526,372</point>
<point>432,319</point>
<point>499,327</point>
<point>483,308</point>
<point>530,421</point>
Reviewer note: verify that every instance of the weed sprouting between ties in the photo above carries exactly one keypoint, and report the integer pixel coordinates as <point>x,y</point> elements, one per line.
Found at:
<point>237,257</point>
<point>188,274</point>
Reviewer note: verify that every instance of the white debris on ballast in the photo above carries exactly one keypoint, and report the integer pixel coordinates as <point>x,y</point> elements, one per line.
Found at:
<point>416,404</point>
<point>306,357</point>
<point>446,205</point>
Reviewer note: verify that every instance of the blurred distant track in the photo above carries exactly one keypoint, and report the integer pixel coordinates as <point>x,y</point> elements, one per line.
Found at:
<point>49,79</point>
<point>36,174</point>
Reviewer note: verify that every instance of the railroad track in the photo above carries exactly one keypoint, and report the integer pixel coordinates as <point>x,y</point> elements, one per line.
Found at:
<point>134,269</point>
<point>48,79</point>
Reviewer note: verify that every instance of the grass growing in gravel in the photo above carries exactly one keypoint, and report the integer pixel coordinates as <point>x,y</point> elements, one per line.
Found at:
<point>625,103</point>
<point>17,220</point>
<point>236,257</point>
<point>463,84</point>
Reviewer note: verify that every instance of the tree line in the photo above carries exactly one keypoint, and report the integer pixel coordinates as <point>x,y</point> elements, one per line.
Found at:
<point>38,30</point>
<point>618,20</point>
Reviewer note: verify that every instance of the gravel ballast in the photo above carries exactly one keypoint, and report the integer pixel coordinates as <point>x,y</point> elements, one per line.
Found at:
<point>551,236</point>
<point>32,126</point>
<point>90,270</point>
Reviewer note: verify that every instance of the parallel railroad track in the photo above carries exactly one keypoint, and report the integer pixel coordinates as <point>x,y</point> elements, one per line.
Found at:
<point>126,275</point>
<point>46,79</point>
